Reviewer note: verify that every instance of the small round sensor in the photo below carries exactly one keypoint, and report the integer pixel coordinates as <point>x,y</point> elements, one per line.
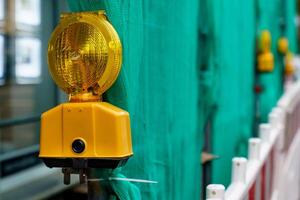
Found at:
<point>78,146</point>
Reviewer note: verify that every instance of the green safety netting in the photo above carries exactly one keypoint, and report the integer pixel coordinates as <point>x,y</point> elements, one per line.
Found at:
<point>235,26</point>
<point>270,14</point>
<point>184,67</point>
<point>290,30</point>
<point>279,18</point>
<point>231,34</point>
<point>158,85</point>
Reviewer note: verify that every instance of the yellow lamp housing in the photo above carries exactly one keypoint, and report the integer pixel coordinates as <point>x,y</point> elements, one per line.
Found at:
<point>98,132</point>
<point>84,57</point>
<point>265,62</point>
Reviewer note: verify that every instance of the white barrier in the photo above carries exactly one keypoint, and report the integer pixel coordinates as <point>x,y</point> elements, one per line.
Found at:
<point>272,170</point>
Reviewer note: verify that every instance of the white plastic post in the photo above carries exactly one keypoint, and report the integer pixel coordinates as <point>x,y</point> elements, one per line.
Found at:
<point>274,119</point>
<point>254,149</point>
<point>239,167</point>
<point>279,111</point>
<point>215,192</point>
<point>281,115</point>
<point>264,132</point>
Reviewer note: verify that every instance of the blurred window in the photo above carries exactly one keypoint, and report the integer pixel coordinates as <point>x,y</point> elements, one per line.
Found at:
<point>26,89</point>
<point>1,59</point>
<point>28,12</point>
<point>28,60</point>
<point>1,9</point>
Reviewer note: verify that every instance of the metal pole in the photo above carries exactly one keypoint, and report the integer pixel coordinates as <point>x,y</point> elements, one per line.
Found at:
<point>96,189</point>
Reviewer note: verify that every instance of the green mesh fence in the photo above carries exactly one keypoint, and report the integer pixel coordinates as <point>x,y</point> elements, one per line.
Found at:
<point>187,63</point>
<point>158,86</point>
<point>270,14</point>
<point>278,17</point>
<point>232,35</point>
<point>230,29</point>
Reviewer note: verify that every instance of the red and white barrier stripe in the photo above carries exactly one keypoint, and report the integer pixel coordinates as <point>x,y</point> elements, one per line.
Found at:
<point>272,169</point>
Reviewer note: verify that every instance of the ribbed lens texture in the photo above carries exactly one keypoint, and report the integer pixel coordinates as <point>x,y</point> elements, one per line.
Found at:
<point>80,56</point>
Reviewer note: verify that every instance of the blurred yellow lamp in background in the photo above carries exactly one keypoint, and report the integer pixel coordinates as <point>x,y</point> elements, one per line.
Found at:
<point>265,57</point>
<point>84,57</point>
<point>289,64</point>
<point>265,41</point>
<point>283,48</point>
<point>283,45</point>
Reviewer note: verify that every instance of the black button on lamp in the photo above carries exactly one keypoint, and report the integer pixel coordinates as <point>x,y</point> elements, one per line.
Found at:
<point>78,146</point>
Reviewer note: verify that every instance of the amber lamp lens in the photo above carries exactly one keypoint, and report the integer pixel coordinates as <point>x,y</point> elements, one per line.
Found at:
<point>84,54</point>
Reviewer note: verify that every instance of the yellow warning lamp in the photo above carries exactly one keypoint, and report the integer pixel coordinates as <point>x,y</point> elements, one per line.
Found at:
<point>265,57</point>
<point>289,65</point>
<point>283,45</point>
<point>265,41</point>
<point>283,48</point>
<point>84,57</point>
